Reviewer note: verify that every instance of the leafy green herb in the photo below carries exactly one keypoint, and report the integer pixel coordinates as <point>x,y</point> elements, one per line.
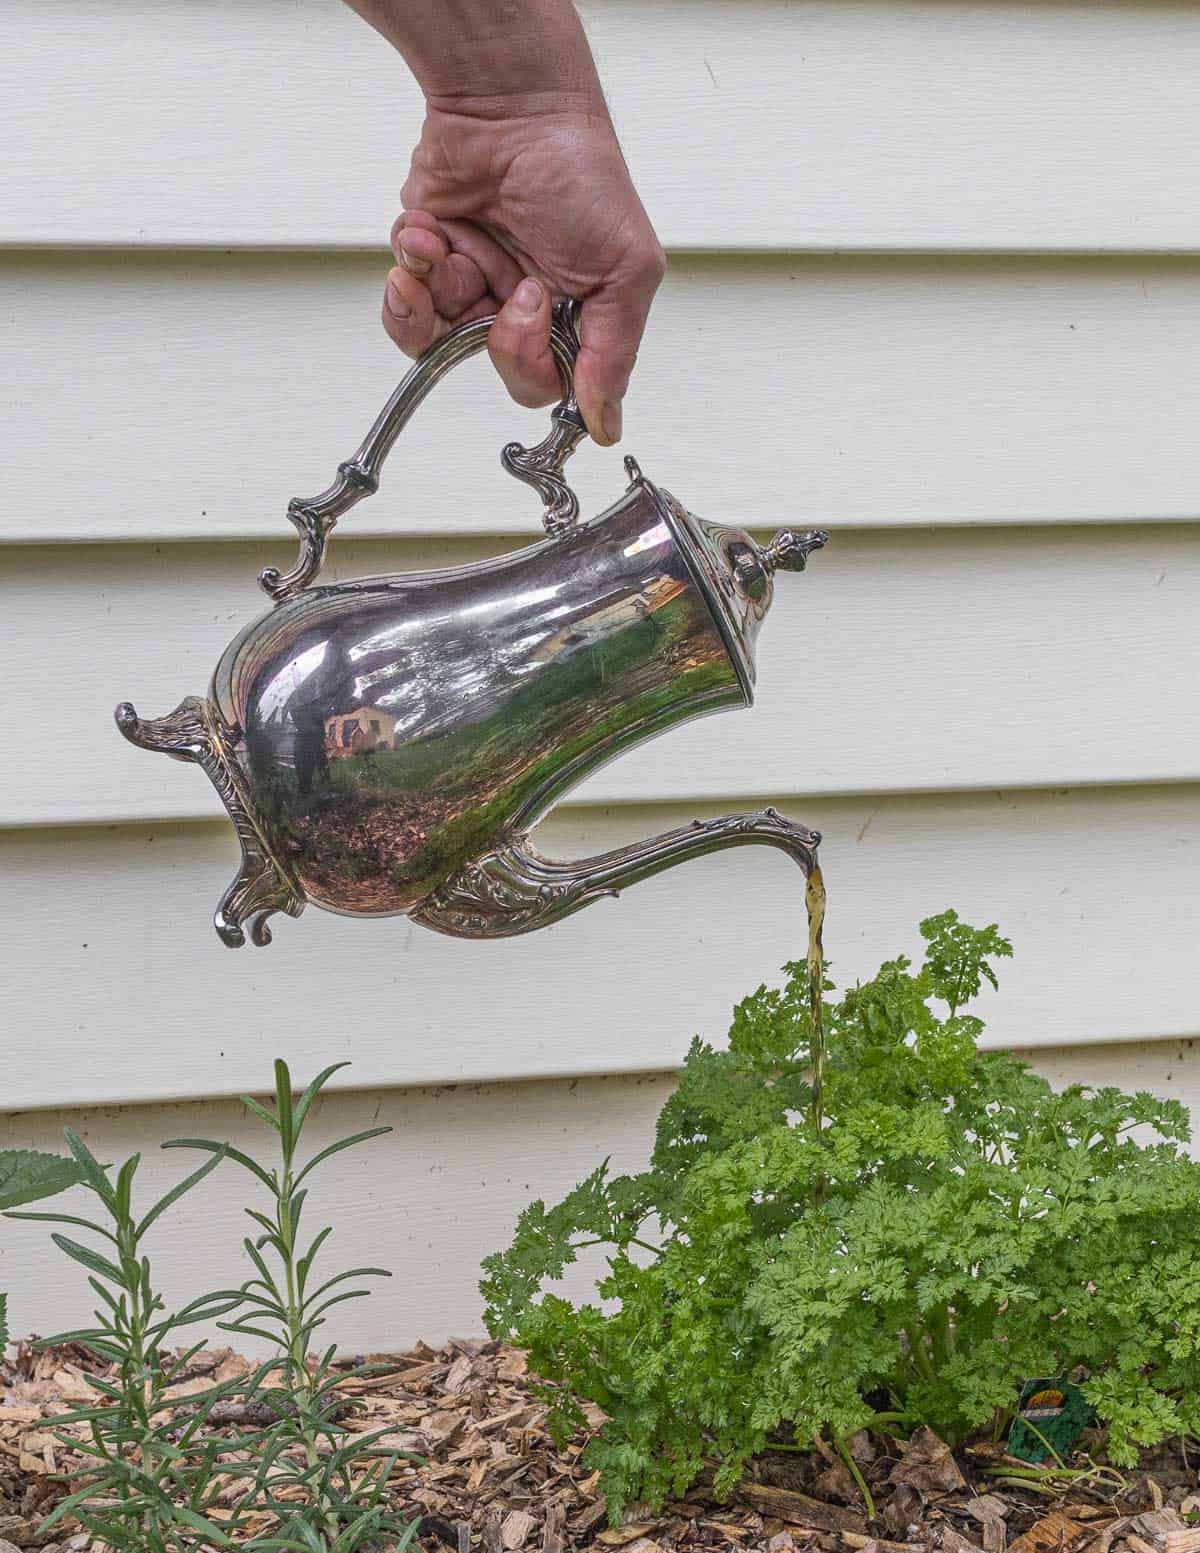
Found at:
<point>28,1176</point>
<point>325,1484</point>
<point>952,1229</point>
<point>150,1480</point>
<point>153,1479</point>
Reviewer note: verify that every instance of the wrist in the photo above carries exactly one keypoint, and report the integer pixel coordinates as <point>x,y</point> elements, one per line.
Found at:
<point>480,52</point>
<point>527,104</point>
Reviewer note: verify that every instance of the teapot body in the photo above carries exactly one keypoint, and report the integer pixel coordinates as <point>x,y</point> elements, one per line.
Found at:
<point>386,731</point>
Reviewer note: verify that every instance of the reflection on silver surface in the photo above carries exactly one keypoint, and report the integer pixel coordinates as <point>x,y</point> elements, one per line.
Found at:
<point>387,730</point>
<point>383,746</point>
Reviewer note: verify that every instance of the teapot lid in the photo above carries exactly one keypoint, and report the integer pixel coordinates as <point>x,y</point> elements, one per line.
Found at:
<point>736,574</point>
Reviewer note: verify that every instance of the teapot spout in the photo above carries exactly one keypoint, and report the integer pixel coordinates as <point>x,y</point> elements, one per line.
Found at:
<point>514,889</point>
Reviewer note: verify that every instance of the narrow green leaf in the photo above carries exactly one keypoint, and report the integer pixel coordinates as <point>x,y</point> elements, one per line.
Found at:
<point>353,1272</point>
<point>64,1218</point>
<point>260,1111</point>
<point>90,1167</point>
<point>304,1266</point>
<point>65,1506</point>
<point>245,1329</point>
<point>193,1313</point>
<point>313,1090</point>
<point>230,1153</point>
<point>309,1535</point>
<point>92,1260</point>
<point>257,1258</point>
<point>336,1148</point>
<point>178,1190</point>
<point>260,1219</point>
<point>200,1523</point>
<point>124,1186</point>
<point>283,1103</point>
<point>295,1208</point>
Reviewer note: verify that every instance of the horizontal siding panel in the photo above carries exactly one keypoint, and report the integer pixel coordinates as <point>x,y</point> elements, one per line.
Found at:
<point>416,1198</point>
<point>155,1008</point>
<point>919,125</point>
<point>191,396</point>
<point>429,1201</point>
<point>945,659</point>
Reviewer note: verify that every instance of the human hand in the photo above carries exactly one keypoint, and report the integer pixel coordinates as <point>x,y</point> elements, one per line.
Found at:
<point>507,208</point>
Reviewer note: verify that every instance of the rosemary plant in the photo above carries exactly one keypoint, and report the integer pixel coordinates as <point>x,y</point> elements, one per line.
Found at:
<point>151,1479</point>
<point>325,1485</point>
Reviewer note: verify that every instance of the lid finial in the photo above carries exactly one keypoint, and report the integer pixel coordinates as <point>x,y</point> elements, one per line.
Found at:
<point>790,549</point>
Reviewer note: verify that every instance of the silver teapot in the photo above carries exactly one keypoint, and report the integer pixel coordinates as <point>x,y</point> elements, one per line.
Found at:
<point>384,746</point>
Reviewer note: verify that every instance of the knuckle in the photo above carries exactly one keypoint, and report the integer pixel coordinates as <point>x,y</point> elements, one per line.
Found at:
<point>528,396</point>
<point>399,334</point>
<point>651,263</point>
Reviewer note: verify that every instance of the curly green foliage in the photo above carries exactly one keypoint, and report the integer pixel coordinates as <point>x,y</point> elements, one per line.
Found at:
<point>953,1227</point>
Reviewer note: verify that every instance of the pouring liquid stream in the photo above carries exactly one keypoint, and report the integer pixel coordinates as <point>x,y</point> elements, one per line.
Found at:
<point>814,902</point>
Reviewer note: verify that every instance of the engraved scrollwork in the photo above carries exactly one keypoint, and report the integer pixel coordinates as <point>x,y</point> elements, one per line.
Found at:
<point>541,467</point>
<point>260,887</point>
<point>511,890</point>
<point>314,520</point>
<point>514,889</point>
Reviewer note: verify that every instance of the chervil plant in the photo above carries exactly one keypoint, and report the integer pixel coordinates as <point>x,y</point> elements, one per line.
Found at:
<point>949,1228</point>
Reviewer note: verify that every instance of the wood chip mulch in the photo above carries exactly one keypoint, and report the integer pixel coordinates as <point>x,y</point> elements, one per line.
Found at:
<point>493,1481</point>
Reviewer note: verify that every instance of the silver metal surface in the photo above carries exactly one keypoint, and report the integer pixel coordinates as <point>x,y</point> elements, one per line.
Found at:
<point>314,517</point>
<point>384,746</point>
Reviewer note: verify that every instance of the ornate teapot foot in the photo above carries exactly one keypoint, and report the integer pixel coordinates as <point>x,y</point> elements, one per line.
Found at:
<point>260,888</point>
<point>514,889</point>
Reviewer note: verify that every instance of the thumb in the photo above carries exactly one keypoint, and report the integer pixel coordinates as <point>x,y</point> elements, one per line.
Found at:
<point>610,331</point>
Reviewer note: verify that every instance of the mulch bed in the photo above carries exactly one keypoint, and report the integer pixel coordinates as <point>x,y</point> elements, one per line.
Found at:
<point>494,1481</point>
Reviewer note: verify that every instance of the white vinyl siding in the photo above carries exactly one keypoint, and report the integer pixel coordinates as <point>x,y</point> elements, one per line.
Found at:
<point>898,125</point>
<point>935,285</point>
<point>428,1202</point>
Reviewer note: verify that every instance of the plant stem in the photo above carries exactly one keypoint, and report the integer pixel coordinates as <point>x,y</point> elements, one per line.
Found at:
<point>941,1335</point>
<point>300,1380</point>
<point>921,1357</point>
<point>814,899</point>
<point>852,1468</point>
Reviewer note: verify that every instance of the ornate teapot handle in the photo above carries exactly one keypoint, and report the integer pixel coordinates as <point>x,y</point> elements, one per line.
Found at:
<point>540,466</point>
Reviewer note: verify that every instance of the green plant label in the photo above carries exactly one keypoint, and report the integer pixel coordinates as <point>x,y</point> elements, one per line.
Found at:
<point>1052,1414</point>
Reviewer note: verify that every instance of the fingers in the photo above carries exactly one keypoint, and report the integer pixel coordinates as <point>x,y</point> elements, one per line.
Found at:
<point>408,313</point>
<point>497,266</point>
<point>519,345</point>
<point>451,271</point>
<point>423,247</point>
<point>611,329</point>
<point>464,272</point>
<point>418,242</point>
